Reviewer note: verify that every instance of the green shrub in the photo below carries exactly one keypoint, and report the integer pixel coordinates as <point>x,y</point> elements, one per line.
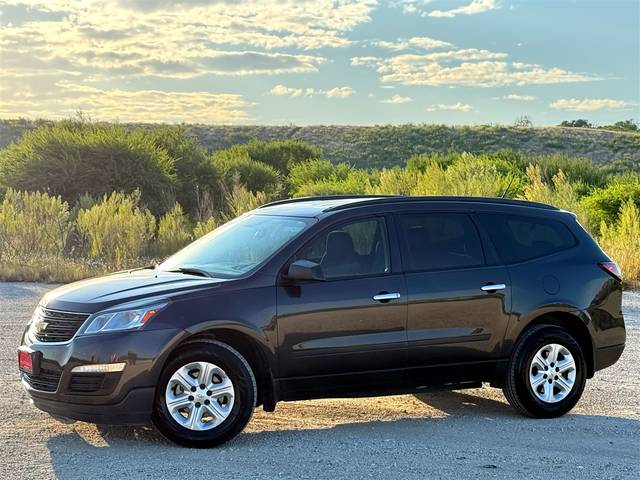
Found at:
<point>621,240</point>
<point>312,171</point>
<point>281,154</point>
<point>578,170</point>
<point>174,231</point>
<point>254,175</point>
<point>194,172</point>
<point>117,229</point>
<point>204,227</point>
<point>560,192</point>
<point>354,183</point>
<point>73,158</point>
<point>33,224</point>
<point>241,200</point>
<point>395,181</point>
<point>603,204</point>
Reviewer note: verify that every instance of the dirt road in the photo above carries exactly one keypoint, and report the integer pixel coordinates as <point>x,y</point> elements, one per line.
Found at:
<point>467,434</point>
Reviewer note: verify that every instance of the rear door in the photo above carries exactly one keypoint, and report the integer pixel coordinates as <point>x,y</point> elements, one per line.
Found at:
<point>458,302</point>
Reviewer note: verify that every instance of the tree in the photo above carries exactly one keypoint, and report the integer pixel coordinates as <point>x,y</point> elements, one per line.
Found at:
<point>579,123</point>
<point>523,121</point>
<point>623,126</point>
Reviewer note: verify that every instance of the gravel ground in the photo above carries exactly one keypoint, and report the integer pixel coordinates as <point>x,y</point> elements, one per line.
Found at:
<point>466,434</point>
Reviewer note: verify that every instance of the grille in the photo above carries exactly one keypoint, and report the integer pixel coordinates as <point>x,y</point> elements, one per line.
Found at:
<point>46,380</point>
<point>86,382</point>
<point>55,326</point>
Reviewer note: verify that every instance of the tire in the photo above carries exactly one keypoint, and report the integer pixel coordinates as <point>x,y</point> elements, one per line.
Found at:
<point>195,424</point>
<point>548,399</point>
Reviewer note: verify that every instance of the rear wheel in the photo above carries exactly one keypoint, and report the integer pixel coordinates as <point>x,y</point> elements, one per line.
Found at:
<point>206,395</point>
<point>546,374</point>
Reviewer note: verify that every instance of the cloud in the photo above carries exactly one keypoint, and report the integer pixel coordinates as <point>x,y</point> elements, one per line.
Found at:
<point>292,92</point>
<point>64,99</point>
<point>516,97</point>
<point>282,91</point>
<point>473,8</point>
<point>109,40</point>
<point>460,107</point>
<point>424,43</point>
<point>339,92</point>
<point>465,67</point>
<point>397,99</point>
<point>589,104</point>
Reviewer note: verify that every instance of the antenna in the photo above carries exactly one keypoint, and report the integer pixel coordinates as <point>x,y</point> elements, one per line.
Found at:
<point>508,187</point>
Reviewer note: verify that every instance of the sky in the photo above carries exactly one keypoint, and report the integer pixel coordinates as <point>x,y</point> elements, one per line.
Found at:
<point>310,62</point>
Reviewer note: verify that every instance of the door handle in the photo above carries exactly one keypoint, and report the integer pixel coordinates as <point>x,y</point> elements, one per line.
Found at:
<point>490,287</point>
<point>385,297</point>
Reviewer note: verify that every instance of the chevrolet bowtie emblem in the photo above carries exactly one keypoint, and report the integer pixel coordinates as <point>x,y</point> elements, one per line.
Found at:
<point>40,326</point>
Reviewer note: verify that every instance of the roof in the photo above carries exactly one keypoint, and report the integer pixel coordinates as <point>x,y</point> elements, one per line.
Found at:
<point>313,206</point>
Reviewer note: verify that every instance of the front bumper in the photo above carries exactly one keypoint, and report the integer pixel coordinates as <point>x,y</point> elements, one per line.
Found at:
<point>110,398</point>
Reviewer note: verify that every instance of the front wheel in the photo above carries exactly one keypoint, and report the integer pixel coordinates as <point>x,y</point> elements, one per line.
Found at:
<point>206,395</point>
<point>546,374</point>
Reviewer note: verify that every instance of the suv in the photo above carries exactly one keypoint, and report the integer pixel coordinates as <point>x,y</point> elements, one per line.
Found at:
<point>333,297</point>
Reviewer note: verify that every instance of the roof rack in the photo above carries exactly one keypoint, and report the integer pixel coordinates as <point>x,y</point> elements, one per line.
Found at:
<point>396,198</point>
<point>328,197</point>
<point>375,199</point>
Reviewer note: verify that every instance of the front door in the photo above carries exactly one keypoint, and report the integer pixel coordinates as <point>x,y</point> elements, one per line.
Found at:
<point>458,306</point>
<point>355,320</point>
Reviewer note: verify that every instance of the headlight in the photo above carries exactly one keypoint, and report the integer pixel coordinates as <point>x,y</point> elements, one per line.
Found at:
<point>121,319</point>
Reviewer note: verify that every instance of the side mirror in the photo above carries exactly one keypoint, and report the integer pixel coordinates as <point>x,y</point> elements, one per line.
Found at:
<point>305,270</point>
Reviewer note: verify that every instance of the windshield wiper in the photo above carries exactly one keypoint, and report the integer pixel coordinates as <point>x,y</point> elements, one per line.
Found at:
<point>191,271</point>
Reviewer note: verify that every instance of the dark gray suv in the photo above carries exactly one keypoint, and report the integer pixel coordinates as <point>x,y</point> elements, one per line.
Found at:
<point>329,297</point>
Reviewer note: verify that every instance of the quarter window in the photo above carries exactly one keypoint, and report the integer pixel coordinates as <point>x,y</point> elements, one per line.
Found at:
<point>519,238</point>
<point>438,241</point>
<point>353,249</point>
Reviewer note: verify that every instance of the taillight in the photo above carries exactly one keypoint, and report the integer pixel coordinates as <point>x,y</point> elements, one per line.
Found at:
<point>612,268</point>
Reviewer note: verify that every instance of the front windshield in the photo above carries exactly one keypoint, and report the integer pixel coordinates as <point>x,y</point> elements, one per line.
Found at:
<point>238,246</point>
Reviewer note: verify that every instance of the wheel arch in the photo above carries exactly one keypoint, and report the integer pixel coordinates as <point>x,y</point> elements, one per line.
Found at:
<point>248,343</point>
<point>575,322</point>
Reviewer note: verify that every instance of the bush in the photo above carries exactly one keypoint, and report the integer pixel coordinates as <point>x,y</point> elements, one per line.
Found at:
<point>281,154</point>
<point>603,204</point>
<point>194,173</point>
<point>312,171</point>
<point>621,240</point>
<point>117,229</point>
<point>395,181</point>
<point>355,182</point>
<point>173,231</point>
<point>254,175</point>
<point>241,200</point>
<point>33,224</point>
<point>560,193</point>
<point>580,171</point>
<point>204,227</point>
<point>73,158</point>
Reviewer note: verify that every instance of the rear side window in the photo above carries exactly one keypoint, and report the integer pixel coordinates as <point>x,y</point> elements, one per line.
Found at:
<point>436,241</point>
<point>519,238</point>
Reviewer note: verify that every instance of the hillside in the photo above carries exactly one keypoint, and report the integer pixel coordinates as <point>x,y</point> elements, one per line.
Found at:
<point>378,146</point>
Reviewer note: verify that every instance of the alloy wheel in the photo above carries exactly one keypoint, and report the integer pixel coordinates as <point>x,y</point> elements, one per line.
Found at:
<point>552,373</point>
<point>200,396</point>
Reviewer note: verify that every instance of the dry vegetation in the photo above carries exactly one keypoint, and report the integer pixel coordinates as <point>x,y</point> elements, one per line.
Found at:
<point>80,199</point>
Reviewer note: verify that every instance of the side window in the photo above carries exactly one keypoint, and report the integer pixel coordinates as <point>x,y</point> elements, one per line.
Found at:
<point>436,241</point>
<point>353,249</point>
<point>519,238</point>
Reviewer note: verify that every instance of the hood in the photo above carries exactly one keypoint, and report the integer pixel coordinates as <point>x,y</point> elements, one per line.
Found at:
<point>95,294</point>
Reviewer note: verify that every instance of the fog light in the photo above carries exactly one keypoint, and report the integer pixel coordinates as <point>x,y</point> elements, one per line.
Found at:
<point>99,368</point>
